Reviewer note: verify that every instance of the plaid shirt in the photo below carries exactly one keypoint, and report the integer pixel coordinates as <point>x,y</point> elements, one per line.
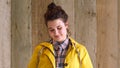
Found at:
<point>60,52</point>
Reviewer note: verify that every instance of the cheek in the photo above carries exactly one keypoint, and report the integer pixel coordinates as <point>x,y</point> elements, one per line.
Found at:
<point>64,31</point>
<point>50,33</point>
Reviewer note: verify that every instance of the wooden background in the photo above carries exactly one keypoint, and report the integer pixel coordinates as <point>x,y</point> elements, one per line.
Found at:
<point>5,33</point>
<point>94,23</point>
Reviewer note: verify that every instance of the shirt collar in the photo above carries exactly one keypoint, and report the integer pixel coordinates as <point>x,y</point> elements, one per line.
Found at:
<point>64,44</point>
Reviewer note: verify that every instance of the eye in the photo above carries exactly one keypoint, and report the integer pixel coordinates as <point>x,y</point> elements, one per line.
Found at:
<point>59,28</point>
<point>51,30</point>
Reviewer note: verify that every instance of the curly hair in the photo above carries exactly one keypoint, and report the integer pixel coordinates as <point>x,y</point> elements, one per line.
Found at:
<point>54,12</point>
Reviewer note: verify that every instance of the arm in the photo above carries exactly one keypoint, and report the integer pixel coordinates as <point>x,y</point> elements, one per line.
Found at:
<point>34,60</point>
<point>86,61</point>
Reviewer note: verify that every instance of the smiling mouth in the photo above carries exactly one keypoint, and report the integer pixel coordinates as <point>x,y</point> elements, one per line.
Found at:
<point>56,36</point>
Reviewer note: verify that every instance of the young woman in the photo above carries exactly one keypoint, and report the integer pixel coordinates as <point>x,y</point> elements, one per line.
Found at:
<point>61,51</point>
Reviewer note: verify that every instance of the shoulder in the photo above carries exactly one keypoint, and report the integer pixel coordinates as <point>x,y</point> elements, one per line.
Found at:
<point>81,49</point>
<point>42,45</point>
<point>79,46</point>
<point>39,46</point>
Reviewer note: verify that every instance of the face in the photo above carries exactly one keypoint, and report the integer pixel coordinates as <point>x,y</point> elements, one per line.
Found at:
<point>57,30</point>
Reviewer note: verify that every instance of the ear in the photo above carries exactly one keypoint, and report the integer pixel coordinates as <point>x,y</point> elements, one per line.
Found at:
<point>66,24</point>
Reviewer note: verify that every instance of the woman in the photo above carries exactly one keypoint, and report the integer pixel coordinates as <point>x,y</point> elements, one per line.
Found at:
<point>61,51</point>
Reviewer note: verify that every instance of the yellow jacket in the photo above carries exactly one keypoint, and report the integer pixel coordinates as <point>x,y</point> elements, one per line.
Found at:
<point>77,56</point>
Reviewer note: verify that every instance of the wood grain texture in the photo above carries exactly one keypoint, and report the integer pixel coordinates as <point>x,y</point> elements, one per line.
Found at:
<point>107,34</point>
<point>21,33</point>
<point>5,33</point>
<point>119,31</point>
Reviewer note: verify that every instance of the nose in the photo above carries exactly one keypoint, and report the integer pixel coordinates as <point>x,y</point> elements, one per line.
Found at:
<point>56,32</point>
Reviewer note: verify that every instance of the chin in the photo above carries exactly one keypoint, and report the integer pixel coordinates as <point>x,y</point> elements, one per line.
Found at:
<point>60,40</point>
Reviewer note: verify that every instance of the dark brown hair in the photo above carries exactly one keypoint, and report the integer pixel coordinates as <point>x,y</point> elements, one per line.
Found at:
<point>54,12</point>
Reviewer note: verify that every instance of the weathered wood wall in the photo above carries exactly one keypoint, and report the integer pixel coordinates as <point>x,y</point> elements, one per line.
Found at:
<point>21,33</point>
<point>107,34</point>
<point>119,31</point>
<point>5,33</point>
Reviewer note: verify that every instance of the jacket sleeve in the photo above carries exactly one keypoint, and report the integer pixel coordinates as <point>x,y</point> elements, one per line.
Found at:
<point>86,61</point>
<point>34,60</point>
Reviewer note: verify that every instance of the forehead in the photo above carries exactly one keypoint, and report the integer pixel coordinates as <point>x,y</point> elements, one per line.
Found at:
<point>55,23</point>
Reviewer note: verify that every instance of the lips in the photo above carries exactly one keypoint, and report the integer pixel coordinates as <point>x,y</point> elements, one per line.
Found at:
<point>56,36</point>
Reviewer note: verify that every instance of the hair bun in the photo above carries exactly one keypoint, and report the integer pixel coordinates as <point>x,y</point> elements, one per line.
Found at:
<point>51,6</point>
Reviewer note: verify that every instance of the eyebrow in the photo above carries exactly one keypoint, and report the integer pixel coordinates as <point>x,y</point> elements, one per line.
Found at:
<point>49,27</point>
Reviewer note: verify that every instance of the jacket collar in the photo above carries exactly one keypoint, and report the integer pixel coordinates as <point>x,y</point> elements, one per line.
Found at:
<point>50,45</point>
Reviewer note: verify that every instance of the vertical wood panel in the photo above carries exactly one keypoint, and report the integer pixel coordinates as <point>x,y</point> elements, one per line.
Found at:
<point>107,37</point>
<point>85,26</point>
<point>39,32</point>
<point>5,33</point>
<point>119,31</point>
<point>21,33</point>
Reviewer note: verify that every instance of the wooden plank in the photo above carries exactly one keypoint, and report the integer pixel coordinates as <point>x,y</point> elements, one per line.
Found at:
<point>85,26</point>
<point>5,33</point>
<point>119,30</point>
<point>39,32</point>
<point>107,34</point>
<point>21,33</point>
